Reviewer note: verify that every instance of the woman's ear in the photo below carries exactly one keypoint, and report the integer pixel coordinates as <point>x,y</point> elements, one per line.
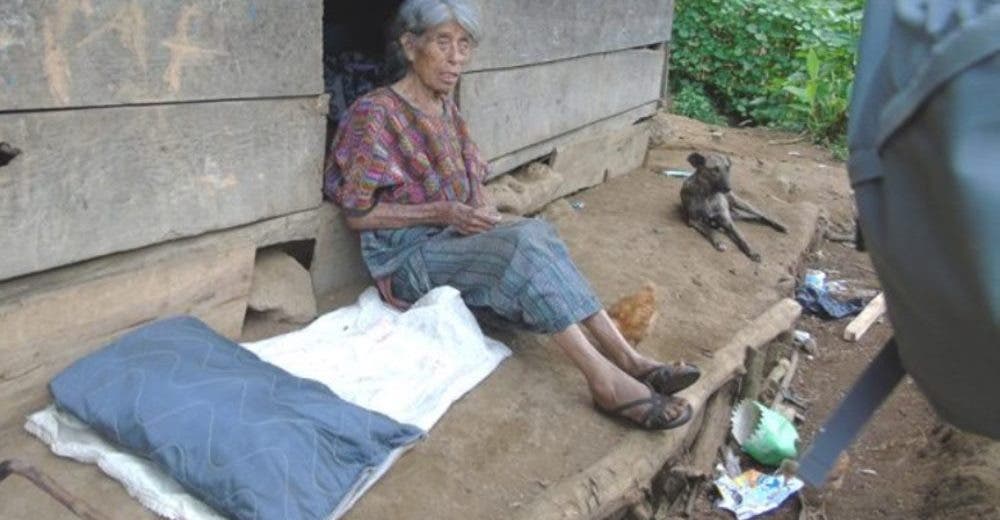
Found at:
<point>408,41</point>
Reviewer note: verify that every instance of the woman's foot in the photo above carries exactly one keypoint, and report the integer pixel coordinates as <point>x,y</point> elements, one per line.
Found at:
<point>670,378</point>
<point>665,378</point>
<point>624,397</point>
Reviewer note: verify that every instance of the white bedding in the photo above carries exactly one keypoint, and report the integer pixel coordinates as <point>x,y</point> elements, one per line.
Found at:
<point>409,366</point>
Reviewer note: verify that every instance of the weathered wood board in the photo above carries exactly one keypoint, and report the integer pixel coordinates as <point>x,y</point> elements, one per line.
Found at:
<point>74,53</point>
<point>45,330</point>
<point>99,181</point>
<point>512,109</point>
<point>524,32</point>
<point>592,161</point>
<point>605,126</point>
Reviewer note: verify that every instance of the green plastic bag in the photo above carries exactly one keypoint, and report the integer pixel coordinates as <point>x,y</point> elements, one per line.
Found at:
<point>764,434</point>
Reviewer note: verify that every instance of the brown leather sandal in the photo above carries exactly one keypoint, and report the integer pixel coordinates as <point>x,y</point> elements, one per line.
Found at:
<point>653,419</point>
<point>669,379</point>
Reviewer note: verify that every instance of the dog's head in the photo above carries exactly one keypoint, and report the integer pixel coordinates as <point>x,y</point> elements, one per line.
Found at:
<point>714,168</point>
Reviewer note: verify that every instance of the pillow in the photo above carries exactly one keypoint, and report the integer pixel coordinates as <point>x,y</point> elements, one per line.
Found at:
<point>244,436</point>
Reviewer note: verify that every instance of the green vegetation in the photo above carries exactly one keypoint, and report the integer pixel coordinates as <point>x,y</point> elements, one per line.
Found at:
<point>782,63</point>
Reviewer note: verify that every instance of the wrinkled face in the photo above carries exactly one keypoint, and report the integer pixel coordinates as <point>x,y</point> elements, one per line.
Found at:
<point>714,167</point>
<point>439,55</point>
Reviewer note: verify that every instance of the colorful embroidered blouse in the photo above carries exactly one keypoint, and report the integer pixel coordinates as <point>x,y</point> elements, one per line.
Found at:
<point>386,150</point>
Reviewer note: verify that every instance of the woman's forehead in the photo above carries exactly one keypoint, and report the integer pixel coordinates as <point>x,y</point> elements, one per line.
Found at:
<point>452,29</point>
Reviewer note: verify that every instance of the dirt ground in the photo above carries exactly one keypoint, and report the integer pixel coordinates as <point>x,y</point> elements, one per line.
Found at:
<point>906,464</point>
<point>531,424</point>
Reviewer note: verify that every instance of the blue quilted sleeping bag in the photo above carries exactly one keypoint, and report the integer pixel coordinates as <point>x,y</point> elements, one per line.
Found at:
<point>244,436</point>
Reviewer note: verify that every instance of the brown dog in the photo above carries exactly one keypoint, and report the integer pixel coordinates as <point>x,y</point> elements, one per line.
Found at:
<point>709,204</point>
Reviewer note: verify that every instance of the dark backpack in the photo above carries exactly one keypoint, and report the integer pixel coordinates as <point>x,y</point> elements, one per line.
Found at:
<point>924,137</point>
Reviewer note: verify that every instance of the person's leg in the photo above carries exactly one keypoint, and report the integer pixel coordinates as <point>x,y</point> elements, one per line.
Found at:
<point>615,347</point>
<point>609,386</point>
<point>662,377</point>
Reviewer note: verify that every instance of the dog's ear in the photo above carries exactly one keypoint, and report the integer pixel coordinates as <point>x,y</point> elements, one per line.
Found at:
<point>697,160</point>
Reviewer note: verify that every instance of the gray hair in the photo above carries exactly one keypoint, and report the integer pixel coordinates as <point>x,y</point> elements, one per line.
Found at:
<point>417,16</point>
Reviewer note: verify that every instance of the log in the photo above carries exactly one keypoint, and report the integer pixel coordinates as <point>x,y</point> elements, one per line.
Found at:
<point>754,374</point>
<point>714,431</point>
<point>594,492</point>
<point>857,328</point>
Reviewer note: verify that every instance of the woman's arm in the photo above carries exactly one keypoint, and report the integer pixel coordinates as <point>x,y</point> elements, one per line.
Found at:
<point>466,219</point>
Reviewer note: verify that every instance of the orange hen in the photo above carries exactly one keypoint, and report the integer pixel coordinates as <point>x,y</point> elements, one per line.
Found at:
<point>634,315</point>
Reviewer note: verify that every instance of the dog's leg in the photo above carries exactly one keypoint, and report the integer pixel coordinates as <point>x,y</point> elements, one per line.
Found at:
<point>743,210</point>
<point>737,238</point>
<point>711,234</point>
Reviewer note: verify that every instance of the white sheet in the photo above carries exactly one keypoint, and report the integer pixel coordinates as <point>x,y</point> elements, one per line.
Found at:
<point>410,366</point>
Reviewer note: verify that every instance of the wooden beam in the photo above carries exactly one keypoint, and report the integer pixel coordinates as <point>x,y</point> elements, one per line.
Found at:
<point>873,311</point>
<point>596,491</point>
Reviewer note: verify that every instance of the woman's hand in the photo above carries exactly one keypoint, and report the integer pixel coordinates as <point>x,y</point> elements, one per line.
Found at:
<point>468,220</point>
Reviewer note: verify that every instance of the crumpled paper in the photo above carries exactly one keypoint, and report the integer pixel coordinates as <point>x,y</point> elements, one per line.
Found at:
<point>754,493</point>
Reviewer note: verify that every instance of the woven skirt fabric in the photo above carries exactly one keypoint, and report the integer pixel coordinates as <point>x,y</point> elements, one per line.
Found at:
<point>519,273</point>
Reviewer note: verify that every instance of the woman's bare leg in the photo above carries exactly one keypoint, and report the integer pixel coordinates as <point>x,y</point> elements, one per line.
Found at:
<point>609,385</point>
<point>615,347</point>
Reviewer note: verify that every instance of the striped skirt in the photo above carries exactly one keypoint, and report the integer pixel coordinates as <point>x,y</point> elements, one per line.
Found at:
<point>519,273</point>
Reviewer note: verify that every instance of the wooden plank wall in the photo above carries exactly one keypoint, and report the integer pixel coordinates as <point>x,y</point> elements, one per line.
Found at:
<point>74,53</point>
<point>161,144</point>
<point>546,71</point>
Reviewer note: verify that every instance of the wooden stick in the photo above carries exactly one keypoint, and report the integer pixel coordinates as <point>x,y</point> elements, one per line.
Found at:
<point>597,491</point>
<point>857,328</point>
<point>46,484</point>
<point>754,375</point>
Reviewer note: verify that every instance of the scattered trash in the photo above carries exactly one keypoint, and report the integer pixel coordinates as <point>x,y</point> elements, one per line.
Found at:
<point>793,153</point>
<point>815,297</point>
<point>578,205</point>
<point>867,471</point>
<point>754,493</point>
<point>823,304</point>
<point>837,287</point>
<point>732,462</point>
<point>805,341</point>
<point>764,434</point>
<point>814,278</point>
<point>681,174</point>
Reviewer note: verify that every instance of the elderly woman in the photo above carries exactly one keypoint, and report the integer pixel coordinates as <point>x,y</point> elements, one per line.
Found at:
<point>410,178</point>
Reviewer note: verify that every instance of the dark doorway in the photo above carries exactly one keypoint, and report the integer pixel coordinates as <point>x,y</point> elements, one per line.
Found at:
<point>354,38</point>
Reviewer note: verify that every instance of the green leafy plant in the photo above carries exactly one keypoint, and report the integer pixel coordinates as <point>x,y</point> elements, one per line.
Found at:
<point>691,100</point>
<point>782,63</point>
